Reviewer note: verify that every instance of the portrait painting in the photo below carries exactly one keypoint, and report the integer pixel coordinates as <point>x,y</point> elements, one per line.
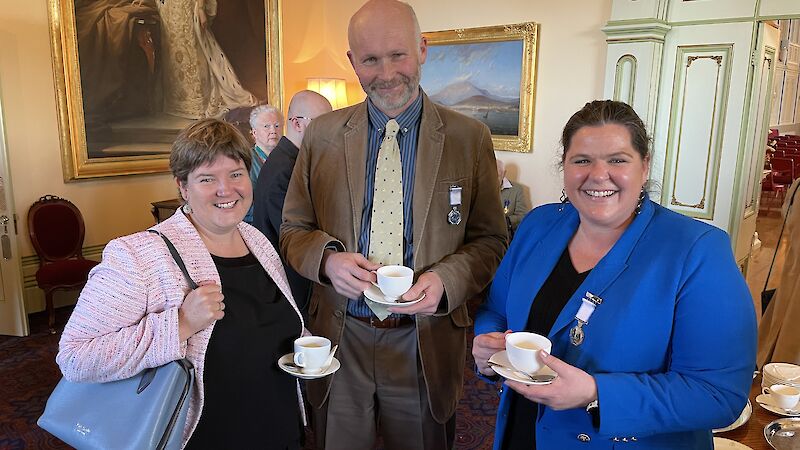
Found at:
<point>489,74</point>
<point>130,74</point>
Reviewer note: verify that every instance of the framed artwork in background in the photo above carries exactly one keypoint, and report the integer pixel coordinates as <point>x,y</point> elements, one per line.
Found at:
<point>130,74</point>
<point>488,73</point>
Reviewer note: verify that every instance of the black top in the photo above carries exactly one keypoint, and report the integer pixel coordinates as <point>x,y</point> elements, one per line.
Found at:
<point>556,291</point>
<point>249,401</point>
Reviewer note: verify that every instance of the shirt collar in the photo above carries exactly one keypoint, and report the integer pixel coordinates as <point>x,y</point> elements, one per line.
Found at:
<point>506,184</point>
<point>406,119</point>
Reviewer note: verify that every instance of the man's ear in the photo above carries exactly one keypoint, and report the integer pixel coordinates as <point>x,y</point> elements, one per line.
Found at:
<point>423,49</point>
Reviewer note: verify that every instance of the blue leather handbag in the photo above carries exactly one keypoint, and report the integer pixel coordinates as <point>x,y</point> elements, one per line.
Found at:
<point>146,411</point>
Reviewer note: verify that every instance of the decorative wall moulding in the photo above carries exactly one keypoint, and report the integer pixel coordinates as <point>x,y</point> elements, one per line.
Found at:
<point>625,79</point>
<point>636,30</point>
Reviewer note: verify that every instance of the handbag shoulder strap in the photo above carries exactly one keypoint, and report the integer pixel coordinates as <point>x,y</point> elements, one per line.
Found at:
<point>780,236</point>
<point>178,260</point>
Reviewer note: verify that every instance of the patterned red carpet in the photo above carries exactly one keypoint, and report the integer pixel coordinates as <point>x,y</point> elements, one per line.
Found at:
<point>29,373</point>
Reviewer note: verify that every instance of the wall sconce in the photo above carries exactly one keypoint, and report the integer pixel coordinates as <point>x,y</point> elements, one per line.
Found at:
<point>334,89</point>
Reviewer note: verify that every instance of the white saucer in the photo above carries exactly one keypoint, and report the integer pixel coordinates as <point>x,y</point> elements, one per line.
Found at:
<point>784,372</point>
<point>727,444</point>
<point>374,293</point>
<point>514,375</point>
<point>286,363</point>
<point>766,402</point>
<point>743,418</point>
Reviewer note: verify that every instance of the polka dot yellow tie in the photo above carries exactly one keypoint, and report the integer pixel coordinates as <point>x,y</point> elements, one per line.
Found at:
<point>386,232</point>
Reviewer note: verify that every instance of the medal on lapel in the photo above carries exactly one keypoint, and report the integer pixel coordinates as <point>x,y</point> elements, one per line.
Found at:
<point>454,216</point>
<point>589,303</point>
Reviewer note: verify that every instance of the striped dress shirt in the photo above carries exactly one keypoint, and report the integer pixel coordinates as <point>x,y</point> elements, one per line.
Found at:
<point>408,135</point>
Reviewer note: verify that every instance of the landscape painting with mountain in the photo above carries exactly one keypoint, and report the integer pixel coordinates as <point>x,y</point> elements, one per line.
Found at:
<point>481,80</point>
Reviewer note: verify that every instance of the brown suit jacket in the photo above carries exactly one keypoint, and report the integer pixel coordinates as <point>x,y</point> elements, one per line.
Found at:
<point>324,202</point>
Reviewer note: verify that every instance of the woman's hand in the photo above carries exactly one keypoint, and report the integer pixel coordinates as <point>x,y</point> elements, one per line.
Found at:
<point>200,308</point>
<point>484,346</point>
<point>572,388</point>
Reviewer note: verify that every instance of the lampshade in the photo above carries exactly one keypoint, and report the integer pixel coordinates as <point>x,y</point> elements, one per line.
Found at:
<point>334,89</point>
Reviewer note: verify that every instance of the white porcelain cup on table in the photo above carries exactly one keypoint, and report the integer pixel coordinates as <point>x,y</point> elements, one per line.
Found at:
<point>311,353</point>
<point>783,396</point>
<point>394,281</point>
<point>523,348</point>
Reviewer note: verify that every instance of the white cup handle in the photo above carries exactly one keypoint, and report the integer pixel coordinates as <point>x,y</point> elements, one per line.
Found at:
<point>765,390</point>
<point>299,359</point>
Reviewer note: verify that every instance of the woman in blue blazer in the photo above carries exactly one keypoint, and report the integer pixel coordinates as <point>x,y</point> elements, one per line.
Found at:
<point>667,355</point>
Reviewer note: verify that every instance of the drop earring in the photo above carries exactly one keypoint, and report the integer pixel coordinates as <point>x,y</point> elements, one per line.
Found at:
<point>642,196</point>
<point>564,200</point>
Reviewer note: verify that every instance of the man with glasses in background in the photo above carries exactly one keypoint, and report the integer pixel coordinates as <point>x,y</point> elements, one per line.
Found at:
<point>270,188</point>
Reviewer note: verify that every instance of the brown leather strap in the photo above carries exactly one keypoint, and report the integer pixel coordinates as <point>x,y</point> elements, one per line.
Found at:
<point>389,322</point>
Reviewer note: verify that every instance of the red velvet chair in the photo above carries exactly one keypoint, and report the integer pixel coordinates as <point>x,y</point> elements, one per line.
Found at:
<point>769,185</point>
<point>783,170</point>
<point>57,230</point>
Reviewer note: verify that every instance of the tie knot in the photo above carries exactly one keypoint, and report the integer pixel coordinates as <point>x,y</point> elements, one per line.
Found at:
<point>392,127</point>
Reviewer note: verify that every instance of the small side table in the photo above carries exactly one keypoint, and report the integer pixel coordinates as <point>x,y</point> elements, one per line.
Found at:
<point>165,208</point>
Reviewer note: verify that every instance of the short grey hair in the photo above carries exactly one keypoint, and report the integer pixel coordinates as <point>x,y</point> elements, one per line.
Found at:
<point>254,113</point>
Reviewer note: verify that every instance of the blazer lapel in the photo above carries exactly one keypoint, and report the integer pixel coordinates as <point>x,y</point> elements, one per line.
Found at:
<point>191,248</point>
<point>355,154</point>
<point>430,147</point>
<point>607,270</point>
<point>539,263</point>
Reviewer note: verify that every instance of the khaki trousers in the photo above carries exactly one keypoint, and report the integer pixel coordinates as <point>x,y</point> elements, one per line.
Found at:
<point>379,391</point>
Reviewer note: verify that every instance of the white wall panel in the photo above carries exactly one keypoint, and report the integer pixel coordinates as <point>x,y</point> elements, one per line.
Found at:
<point>779,8</point>
<point>644,79</point>
<point>697,121</point>
<point>691,10</point>
<point>789,98</point>
<point>756,148</point>
<point>777,92</point>
<point>699,164</point>
<point>638,9</point>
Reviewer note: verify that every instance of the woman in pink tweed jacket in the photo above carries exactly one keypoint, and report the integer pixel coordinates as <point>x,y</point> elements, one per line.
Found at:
<point>137,310</point>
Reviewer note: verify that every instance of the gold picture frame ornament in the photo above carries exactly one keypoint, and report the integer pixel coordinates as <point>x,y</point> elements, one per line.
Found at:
<point>527,33</point>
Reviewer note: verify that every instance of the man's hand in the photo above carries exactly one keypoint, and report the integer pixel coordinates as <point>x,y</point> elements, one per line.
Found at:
<point>429,283</point>
<point>349,273</point>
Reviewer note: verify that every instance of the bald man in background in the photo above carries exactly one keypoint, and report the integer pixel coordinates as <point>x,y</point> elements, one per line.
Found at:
<point>270,188</point>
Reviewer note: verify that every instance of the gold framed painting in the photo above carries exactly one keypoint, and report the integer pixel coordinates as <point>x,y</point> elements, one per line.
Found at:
<point>130,74</point>
<point>488,73</point>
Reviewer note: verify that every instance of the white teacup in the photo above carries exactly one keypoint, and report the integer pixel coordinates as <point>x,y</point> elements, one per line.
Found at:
<point>783,396</point>
<point>311,353</point>
<point>523,348</point>
<point>394,281</point>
